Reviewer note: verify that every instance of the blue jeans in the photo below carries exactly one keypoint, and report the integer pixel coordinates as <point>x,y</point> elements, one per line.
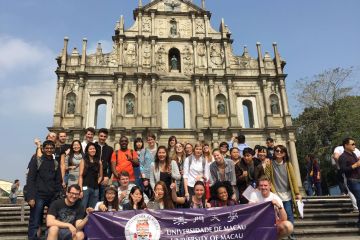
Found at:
<point>36,216</point>
<point>354,187</point>
<point>13,200</point>
<point>309,187</point>
<point>289,210</point>
<point>90,197</point>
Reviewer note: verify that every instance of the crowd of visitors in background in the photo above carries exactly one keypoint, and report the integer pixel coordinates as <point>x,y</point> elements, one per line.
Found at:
<point>77,179</point>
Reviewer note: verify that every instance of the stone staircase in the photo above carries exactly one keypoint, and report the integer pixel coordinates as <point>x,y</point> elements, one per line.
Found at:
<point>325,217</point>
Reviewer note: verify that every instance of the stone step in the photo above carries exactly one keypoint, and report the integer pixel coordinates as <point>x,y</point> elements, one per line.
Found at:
<point>327,210</point>
<point>10,218</point>
<point>332,216</point>
<point>327,197</point>
<point>17,208</point>
<point>338,231</point>
<point>11,213</point>
<point>16,229</point>
<point>326,205</point>
<point>16,237</point>
<point>13,223</point>
<point>325,223</point>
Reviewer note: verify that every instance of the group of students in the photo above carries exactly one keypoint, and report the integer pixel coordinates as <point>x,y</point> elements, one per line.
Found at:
<point>153,177</point>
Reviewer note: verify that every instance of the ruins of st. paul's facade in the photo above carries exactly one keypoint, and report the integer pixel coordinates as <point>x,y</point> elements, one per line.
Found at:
<point>172,53</point>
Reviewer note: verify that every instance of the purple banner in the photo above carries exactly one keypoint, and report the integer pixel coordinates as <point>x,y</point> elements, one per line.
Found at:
<point>251,222</point>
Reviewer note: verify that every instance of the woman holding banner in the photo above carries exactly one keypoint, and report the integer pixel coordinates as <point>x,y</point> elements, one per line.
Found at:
<point>136,200</point>
<point>198,200</point>
<point>162,198</point>
<point>111,201</point>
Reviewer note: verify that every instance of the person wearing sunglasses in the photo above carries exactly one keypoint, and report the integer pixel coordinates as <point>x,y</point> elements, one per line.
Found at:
<point>283,181</point>
<point>350,165</point>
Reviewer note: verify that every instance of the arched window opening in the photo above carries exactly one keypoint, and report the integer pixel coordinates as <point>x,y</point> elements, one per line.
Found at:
<point>70,103</point>
<point>274,104</point>
<point>129,104</point>
<point>220,103</point>
<point>248,114</point>
<point>174,60</point>
<point>176,116</point>
<point>100,113</point>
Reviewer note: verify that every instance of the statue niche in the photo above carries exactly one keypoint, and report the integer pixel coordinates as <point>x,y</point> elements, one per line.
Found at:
<point>70,103</point>
<point>173,28</point>
<point>174,60</point>
<point>129,104</point>
<point>221,104</point>
<point>274,104</point>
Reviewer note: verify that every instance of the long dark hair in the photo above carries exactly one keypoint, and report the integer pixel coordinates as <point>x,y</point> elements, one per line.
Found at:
<point>170,139</point>
<point>168,203</point>
<point>96,158</point>
<point>136,141</point>
<point>167,159</point>
<point>141,204</point>
<point>114,204</point>
<point>71,153</point>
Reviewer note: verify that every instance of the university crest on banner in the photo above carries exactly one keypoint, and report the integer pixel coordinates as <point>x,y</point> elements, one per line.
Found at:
<point>250,222</point>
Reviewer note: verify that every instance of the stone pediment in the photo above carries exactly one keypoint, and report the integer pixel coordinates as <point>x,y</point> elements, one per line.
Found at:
<point>180,6</point>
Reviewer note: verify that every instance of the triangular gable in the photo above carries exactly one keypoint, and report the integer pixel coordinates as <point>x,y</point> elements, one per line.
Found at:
<point>172,6</point>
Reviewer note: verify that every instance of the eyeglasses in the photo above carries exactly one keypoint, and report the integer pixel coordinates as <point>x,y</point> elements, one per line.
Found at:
<point>279,151</point>
<point>74,194</point>
<point>49,148</point>
<point>353,144</point>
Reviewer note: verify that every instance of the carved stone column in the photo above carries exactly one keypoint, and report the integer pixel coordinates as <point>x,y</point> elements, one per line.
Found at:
<point>79,103</point>
<point>199,114</point>
<point>265,89</point>
<point>121,58</point>
<point>139,101</point>
<point>211,101</point>
<point>285,106</point>
<point>139,62</point>
<point>140,23</point>
<point>195,56</point>
<point>153,101</point>
<point>206,19</point>
<point>59,101</point>
<point>209,68</point>
<point>153,61</point>
<point>227,58</point>
<point>152,23</point>
<point>193,25</point>
<point>232,111</point>
<point>294,159</point>
<point>119,100</point>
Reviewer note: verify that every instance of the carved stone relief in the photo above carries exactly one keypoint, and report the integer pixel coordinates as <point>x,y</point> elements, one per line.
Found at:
<point>216,54</point>
<point>201,51</point>
<point>172,5</point>
<point>187,60</point>
<point>161,28</point>
<point>113,57</point>
<point>146,54</point>
<point>130,54</point>
<point>146,25</point>
<point>161,59</point>
<point>199,26</point>
<point>185,29</point>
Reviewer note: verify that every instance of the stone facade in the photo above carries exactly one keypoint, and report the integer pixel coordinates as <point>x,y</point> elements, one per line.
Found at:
<point>173,53</point>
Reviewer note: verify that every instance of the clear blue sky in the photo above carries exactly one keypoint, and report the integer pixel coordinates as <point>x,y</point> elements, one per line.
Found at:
<point>312,36</point>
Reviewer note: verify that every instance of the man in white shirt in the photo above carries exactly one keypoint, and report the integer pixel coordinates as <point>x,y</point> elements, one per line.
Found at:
<point>337,153</point>
<point>89,137</point>
<point>263,194</point>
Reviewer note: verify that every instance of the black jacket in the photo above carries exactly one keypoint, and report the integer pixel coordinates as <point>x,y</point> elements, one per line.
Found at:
<point>105,154</point>
<point>45,182</point>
